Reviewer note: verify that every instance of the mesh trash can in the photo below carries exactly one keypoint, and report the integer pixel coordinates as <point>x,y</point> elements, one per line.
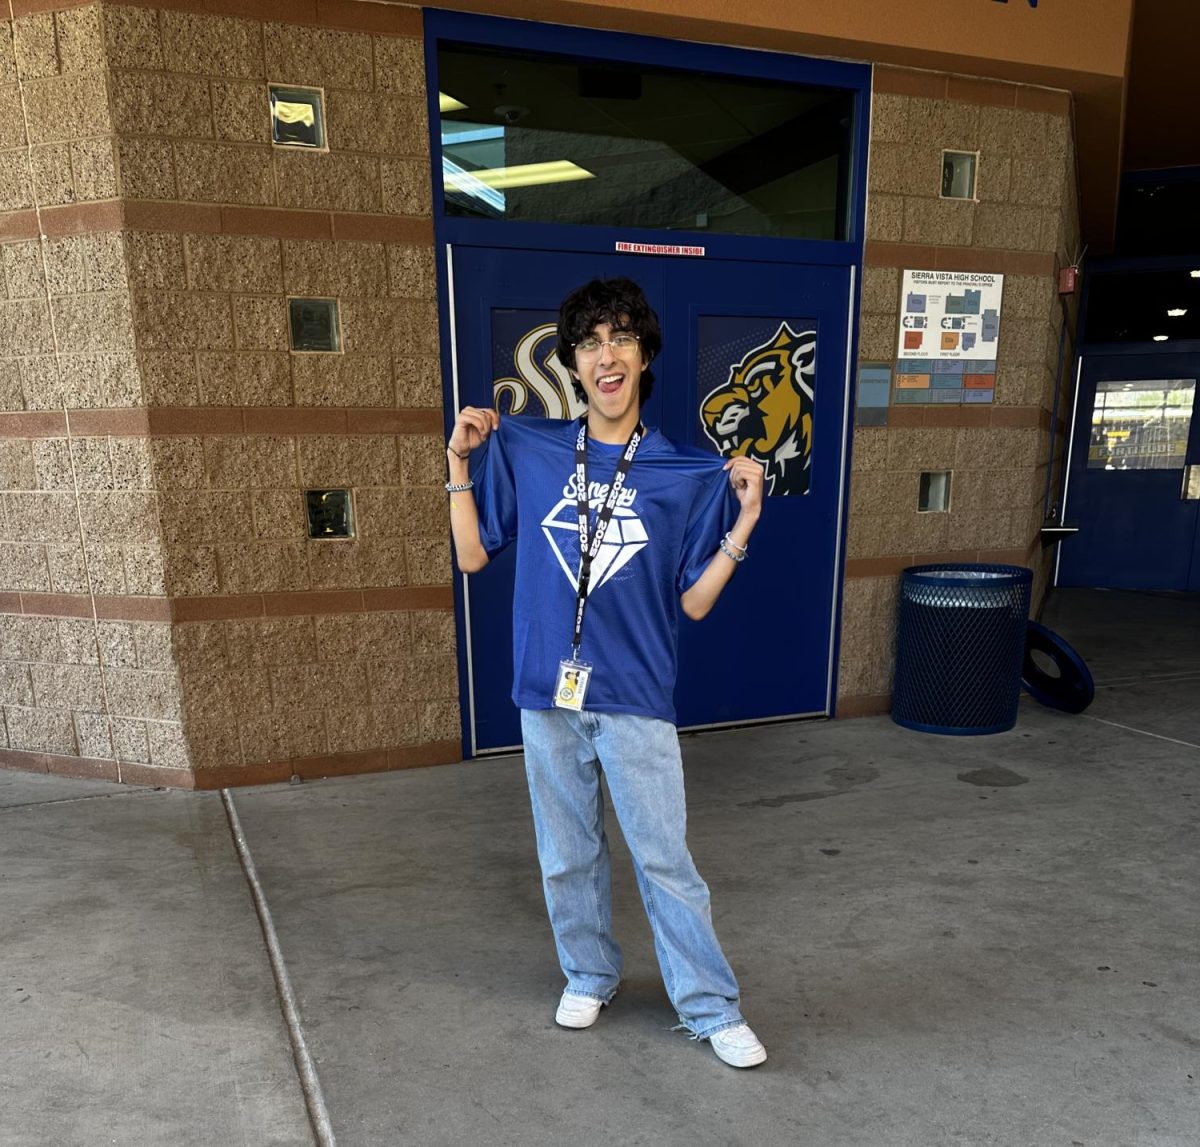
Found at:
<point>960,644</point>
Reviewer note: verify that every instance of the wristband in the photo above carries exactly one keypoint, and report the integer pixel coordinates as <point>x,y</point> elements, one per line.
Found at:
<point>460,457</point>
<point>728,552</point>
<point>459,487</point>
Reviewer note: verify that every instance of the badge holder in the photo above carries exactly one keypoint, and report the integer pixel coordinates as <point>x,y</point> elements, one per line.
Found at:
<point>570,689</point>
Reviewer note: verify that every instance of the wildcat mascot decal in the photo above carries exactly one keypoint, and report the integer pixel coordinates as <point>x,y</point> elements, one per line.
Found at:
<point>764,410</point>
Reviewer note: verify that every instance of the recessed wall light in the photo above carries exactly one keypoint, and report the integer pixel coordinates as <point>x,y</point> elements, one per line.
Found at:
<point>1177,312</point>
<point>1160,338</point>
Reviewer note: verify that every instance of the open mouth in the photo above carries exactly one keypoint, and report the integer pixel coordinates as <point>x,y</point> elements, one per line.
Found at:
<point>609,383</point>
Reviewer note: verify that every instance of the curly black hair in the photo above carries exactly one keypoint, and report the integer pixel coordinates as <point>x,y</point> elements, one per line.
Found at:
<point>622,304</point>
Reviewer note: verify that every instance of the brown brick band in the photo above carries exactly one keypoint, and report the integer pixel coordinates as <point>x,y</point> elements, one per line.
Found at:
<point>228,607</point>
<point>987,260</point>
<point>136,421</point>
<point>1008,417</point>
<point>210,219</point>
<point>968,89</point>
<point>293,420</point>
<point>16,225</point>
<point>868,705</point>
<point>263,773</point>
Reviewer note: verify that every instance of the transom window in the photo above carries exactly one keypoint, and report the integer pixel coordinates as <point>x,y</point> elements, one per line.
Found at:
<point>545,138</point>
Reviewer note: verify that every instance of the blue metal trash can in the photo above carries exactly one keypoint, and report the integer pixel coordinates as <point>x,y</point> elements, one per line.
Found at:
<point>960,645</point>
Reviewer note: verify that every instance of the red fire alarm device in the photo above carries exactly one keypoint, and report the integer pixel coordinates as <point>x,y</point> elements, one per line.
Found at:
<point>1067,279</point>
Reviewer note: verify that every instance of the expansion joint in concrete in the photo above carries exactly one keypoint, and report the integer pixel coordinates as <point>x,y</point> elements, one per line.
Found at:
<point>306,1069</point>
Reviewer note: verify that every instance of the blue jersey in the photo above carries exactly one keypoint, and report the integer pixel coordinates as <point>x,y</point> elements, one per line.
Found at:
<point>668,522</point>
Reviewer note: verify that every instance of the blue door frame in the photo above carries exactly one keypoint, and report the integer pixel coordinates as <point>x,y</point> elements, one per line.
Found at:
<point>453,231</point>
<point>1135,530</point>
<point>1076,559</point>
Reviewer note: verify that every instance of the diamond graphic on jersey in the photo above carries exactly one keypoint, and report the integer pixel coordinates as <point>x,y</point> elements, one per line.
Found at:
<point>623,539</point>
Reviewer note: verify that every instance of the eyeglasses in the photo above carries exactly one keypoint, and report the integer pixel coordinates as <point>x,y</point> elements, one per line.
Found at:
<point>589,347</point>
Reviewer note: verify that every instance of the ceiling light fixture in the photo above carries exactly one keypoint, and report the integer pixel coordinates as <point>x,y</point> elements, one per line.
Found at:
<point>449,103</point>
<point>521,175</point>
<point>1194,274</point>
<point>1160,338</point>
<point>1177,312</point>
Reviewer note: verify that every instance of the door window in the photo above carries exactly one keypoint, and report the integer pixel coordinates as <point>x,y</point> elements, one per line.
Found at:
<point>1141,424</point>
<point>536,137</point>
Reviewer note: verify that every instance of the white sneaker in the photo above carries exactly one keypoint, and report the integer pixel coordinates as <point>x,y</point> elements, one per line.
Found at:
<point>577,1011</point>
<point>738,1047</point>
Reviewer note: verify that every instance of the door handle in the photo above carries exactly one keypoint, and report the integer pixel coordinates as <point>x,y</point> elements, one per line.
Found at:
<point>1191,483</point>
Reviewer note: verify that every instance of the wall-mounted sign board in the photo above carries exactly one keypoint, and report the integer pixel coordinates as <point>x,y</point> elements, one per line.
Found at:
<point>949,336</point>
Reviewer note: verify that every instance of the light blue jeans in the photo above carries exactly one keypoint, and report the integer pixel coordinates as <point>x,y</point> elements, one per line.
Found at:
<point>565,753</point>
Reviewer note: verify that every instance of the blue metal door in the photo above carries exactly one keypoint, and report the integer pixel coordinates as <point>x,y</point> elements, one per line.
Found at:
<point>754,360</point>
<point>1133,475</point>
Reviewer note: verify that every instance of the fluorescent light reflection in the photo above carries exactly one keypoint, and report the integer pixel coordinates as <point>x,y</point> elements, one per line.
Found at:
<point>1177,312</point>
<point>459,179</point>
<point>519,175</point>
<point>449,103</point>
<point>1160,338</point>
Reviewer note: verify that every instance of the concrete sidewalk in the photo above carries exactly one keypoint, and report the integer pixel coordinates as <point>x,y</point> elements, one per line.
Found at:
<point>942,941</point>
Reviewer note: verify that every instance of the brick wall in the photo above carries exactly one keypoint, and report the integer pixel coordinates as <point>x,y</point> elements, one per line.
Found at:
<point>157,499</point>
<point>1024,225</point>
<point>159,432</point>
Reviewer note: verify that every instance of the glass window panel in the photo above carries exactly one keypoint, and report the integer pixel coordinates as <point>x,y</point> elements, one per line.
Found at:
<point>1141,424</point>
<point>313,324</point>
<point>958,174</point>
<point>297,116</point>
<point>543,138</point>
<point>933,495</point>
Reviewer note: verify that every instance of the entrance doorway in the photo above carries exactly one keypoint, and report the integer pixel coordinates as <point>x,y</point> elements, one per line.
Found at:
<point>730,185</point>
<point>754,356</point>
<point>1134,474</point>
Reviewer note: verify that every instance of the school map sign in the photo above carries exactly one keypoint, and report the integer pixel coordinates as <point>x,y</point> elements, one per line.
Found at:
<point>949,334</point>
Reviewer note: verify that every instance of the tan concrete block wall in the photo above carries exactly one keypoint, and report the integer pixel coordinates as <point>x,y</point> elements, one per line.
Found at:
<point>188,95</point>
<point>233,520</point>
<point>1026,204</point>
<point>53,97</point>
<point>80,517</point>
<point>232,506</point>
<point>66,324</point>
<point>106,691</point>
<point>1025,174</point>
<point>309,686</point>
<point>174,317</point>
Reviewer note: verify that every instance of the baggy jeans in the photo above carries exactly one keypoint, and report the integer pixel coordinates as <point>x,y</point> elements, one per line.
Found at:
<point>565,753</point>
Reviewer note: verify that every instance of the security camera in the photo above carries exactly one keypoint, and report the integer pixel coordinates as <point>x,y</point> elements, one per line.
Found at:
<point>511,113</point>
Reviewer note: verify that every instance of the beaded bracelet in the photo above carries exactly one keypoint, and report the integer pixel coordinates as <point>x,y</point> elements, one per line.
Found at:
<point>740,549</point>
<point>725,549</point>
<point>459,487</point>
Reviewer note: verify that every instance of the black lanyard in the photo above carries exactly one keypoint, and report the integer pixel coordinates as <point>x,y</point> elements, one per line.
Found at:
<point>589,548</point>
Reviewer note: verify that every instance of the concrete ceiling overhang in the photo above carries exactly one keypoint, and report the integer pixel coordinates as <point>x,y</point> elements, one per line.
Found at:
<point>1052,46</point>
<point>1162,127</point>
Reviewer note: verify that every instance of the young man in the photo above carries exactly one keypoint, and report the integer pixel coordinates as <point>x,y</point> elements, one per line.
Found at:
<point>616,530</point>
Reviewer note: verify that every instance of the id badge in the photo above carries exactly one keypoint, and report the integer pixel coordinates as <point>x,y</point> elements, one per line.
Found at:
<point>571,687</point>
